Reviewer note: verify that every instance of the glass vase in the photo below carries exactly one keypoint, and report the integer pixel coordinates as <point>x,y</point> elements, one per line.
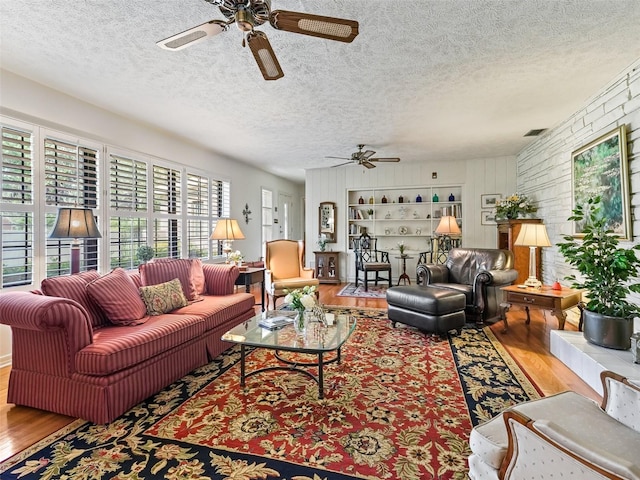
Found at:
<point>300,323</point>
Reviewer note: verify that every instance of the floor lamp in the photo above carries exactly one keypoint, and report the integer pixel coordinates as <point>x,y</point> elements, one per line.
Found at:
<point>532,235</point>
<point>75,223</point>
<point>227,230</point>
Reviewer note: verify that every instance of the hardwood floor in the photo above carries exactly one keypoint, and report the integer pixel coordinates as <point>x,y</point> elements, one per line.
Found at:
<point>20,427</point>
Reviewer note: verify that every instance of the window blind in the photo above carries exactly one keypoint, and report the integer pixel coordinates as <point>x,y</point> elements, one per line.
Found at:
<point>127,184</point>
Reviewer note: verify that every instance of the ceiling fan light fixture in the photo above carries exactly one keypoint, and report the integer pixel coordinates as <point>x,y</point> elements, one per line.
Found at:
<point>244,20</point>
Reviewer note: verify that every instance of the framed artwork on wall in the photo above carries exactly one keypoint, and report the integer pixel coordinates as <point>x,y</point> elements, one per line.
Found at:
<point>488,217</point>
<point>489,200</point>
<point>601,168</point>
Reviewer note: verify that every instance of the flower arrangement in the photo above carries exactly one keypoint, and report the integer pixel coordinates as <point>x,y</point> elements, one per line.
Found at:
<point>301,298</point>
<point>236,257</point>
<point>322,243</point>
<point>401,247</point>
<point>145,253</point>
<point>514,205</point>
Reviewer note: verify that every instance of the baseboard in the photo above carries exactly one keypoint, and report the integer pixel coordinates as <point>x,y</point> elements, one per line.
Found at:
<point>5,360</point>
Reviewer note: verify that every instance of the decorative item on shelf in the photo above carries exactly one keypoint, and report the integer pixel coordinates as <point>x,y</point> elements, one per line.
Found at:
<point>370,213</point>
<point>418,231</point>
<point>400,199</point>
<point>372,200</point>
<point>246,212</point>
<point>388,215</point>
<point>403,230</point>
<point>361,200</point>
<point>416,215</point>
<point>532,235</point>
<point>301,299</point>
<point>387,231</point>
<point>452,197</point>
<point>227,230</point>
<point>514,206</point>
<point>435,198</point>
<point>609,313</point>
<point>75,223</point>
<point>322,242</point>
<point>403,212</point>
<point>418,199</point>
<point>556,286</point>
<point>144,253</point>
<point>401,247</point>
<point>384,199</point>
<point>428,216</point>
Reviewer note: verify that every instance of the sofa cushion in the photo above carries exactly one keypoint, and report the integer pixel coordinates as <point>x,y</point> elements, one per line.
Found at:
<point>74,288</point>
<point>187,270</point>
<point>118,297</point>
<point>164,297</point>
<point>115,348</point>
<point>216,310</point>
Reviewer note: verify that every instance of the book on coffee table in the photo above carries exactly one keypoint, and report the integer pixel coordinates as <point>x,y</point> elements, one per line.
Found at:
<point>274,323</point>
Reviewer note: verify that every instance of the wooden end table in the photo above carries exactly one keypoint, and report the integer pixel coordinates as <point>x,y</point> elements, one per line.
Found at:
<point>544,298</point>
<point>250,276</point>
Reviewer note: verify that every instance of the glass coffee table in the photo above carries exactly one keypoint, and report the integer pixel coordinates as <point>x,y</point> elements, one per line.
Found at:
<point>318,340</point>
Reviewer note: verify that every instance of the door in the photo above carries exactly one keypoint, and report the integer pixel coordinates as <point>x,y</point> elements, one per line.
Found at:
<point>283,216</point>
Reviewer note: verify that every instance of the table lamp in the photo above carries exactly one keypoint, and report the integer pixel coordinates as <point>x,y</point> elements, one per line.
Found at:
<point>532,235</point>
<point>75,223</point>
<point>448,226</point>
<point>227,230</point>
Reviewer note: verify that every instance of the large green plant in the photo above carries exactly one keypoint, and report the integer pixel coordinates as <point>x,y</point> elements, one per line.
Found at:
<point>607,268</point>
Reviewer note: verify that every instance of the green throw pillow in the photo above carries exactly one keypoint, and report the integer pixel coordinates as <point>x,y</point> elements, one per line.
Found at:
<point>164,297</point>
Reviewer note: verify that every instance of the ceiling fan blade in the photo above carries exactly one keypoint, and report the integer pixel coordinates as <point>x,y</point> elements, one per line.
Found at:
<point>263,53</point>
<point>366,154</point>
<point>315,25</point>
<point>340,158</point>
<point>340,164</point>
<point>393,159</point>
<point>193,35</point>
<point>368,164</point>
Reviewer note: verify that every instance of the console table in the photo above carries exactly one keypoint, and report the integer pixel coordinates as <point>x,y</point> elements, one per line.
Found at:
<point>545,298</point>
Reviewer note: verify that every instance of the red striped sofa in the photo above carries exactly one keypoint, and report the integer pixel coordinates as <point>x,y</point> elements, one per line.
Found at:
<point>69,359</point>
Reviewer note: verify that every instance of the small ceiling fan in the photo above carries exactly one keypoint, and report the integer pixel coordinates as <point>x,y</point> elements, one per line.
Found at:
<point>364,158</point>
<point>247,14</point>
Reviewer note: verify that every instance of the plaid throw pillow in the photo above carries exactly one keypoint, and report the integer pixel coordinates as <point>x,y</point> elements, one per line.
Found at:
<point>164,297</point>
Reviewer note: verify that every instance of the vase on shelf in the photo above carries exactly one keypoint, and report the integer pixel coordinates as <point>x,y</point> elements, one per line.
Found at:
<point>300,323</point>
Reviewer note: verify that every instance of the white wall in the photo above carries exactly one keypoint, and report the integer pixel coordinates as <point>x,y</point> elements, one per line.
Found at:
<point>31,102</point>
<point>544,167</point>
<point>478,176</point>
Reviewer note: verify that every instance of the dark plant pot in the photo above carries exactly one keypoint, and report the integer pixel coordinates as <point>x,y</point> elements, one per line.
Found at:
<point>606,331</point>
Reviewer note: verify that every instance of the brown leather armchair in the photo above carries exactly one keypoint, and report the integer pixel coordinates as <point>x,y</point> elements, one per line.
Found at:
<point>479,273</point>
<point>284,268</point>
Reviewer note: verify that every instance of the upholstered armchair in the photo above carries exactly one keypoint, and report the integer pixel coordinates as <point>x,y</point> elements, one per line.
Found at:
<point>284,268</point>
<point>563,436</point>
<point>479,273</point>
<point>370,260</point>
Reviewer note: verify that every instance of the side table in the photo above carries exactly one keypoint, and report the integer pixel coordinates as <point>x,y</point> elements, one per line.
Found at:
<point>544,298</point>
<point>403,275</point>
<point>250,276</point>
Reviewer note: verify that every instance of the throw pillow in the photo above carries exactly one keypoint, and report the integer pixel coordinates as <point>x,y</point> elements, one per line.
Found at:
<point>164,297</point>
<point>165,269</point>
<point>73,287</point>
<point>119,298</point>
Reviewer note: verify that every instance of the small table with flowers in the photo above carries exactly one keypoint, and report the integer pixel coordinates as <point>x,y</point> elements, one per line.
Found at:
<point>318,340</point>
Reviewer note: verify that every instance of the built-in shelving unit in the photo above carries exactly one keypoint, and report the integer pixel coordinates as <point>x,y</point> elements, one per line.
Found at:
<point>410,215</point>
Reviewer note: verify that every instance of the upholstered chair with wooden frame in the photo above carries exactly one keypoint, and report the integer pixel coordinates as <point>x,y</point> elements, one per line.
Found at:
<point>283,260</point>
<point>563,436</point>
<point>370,260</point>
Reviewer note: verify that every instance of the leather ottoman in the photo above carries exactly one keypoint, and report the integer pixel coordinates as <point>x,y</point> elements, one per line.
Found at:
<point>431,309</point>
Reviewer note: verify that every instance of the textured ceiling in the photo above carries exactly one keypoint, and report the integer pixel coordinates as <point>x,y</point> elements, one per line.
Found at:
<point>425,80</point>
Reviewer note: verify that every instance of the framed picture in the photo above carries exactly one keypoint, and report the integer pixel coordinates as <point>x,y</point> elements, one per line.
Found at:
<point>489,200</point>
<point>601,168</point>
<point>488,217</point>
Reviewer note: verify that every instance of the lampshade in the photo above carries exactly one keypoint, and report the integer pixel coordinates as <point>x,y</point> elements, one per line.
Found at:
<point>75,223</point>
<point>533,235</point>
<point>227,229</point>
<point>448,226</point>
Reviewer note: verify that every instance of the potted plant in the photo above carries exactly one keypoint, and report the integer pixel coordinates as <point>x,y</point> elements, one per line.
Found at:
<point>607,272</point>
<point>145,253</point>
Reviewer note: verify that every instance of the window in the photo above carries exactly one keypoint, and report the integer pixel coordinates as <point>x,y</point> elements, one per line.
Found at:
<point>166,207</point>
<point>71,179</point>
<point>267,215</point>
<point>128,210</point>
<point>16,198</point>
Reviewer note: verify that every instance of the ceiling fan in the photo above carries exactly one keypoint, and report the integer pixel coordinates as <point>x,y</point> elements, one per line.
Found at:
<point>364,158</point>
<point>247,14</point>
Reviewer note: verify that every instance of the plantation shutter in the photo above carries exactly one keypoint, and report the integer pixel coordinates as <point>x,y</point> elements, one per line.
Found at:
<point>16,197</point>
<point>166,201</point>
<point>198,218</point>
<point>127,184</point>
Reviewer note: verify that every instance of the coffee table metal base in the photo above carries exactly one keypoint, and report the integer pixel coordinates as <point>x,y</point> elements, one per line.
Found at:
<point>292,367</point>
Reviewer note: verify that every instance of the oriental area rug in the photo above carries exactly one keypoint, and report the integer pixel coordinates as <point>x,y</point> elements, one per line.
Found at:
<point>399,405</point>
<point>374,291</point>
